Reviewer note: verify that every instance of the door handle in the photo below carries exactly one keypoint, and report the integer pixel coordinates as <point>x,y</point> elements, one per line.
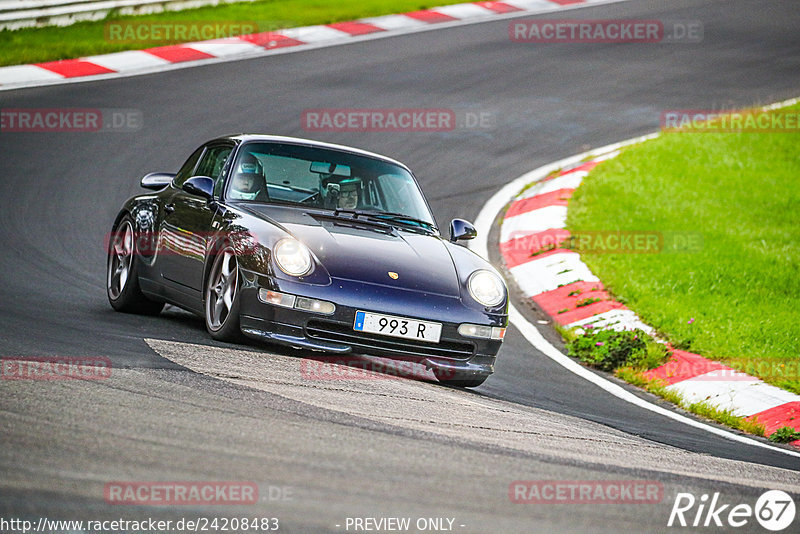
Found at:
<point>169,208</point>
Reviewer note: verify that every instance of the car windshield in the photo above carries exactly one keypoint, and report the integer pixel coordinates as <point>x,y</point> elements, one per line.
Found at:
<point>329,179</point>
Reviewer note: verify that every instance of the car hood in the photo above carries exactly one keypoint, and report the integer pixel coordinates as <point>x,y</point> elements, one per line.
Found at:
<point>356,251</point>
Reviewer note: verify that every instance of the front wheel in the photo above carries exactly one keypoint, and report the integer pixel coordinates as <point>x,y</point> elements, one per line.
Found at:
<point>122,278</point>
<point>222,298</point>
<point>449,378</point>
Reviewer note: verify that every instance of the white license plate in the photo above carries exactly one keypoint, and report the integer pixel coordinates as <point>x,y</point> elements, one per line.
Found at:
<point>389,325</point>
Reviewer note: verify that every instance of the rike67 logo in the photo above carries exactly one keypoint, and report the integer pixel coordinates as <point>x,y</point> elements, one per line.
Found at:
<point>774,510</point>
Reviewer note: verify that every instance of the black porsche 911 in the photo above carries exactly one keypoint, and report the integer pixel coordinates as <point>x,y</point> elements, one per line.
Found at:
<point>311,245</point>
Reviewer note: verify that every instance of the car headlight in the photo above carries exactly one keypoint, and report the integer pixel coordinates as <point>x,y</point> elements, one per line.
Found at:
<point>292,257</point>
<point>487,288</point>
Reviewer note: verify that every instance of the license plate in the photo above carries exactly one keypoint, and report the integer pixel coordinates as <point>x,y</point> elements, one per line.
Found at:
<point>390,325</point>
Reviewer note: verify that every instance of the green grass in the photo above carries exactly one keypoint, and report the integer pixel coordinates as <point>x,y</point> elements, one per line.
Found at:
<point>567,334</point>
<point>88,38</point>
<point>734,297</point>
<point>784,434</point>
<point>636,377</point>
<point>608,350</point>
<point>726,417</point>
<point>703,409</point>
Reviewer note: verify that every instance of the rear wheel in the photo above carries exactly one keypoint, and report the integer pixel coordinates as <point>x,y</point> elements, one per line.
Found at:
<point>222,298</point>
<point>449,378</point>
<point>122,280</point>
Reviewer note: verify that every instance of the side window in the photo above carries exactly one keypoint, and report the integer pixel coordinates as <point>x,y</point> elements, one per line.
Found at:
<point>186,171</point>
<point>213,161</point>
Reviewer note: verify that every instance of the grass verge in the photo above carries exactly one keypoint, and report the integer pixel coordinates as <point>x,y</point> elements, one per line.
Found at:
<point>724,284</point>
<point>628,354</point>
<point>784,434</point>
<point>703,409</point>
<point>609,350</point>
<point>36,45</point>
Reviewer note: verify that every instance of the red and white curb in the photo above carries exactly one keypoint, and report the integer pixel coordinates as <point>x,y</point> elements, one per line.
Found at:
<point>561,285</point>
<point>162,58</point>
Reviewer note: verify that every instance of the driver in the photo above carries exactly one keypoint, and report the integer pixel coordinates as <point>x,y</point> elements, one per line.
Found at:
<point>249,182</point>
<point>345,194</point>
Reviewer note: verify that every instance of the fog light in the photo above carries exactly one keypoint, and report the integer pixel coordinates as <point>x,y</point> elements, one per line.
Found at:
<point>286,300</point>
<point>315,306</point>
<point>482,332</point>
<point>278,299</point>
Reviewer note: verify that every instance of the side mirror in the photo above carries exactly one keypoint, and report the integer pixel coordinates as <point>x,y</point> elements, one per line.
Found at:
<point>201,186</point>
<point>157,180</point>
<point>461,230</point>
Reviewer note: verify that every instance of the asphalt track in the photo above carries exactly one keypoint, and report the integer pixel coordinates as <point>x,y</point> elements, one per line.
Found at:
<point>361,448</point>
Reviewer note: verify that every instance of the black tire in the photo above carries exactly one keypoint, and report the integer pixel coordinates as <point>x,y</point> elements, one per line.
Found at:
<point>222,317</point>
<point>122,273</point>
<point>449,378</point>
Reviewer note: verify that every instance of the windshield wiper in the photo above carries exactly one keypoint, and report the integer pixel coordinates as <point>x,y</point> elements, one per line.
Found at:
<point>401,218</point>
<point>354,213</point>
<point>389,217</point>
<point>337,215</point>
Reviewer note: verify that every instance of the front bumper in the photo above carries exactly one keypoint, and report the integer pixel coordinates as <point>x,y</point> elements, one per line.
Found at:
<point>454,354</point>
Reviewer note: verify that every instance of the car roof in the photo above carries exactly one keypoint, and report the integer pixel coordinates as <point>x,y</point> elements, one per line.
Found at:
<point>247,137</point>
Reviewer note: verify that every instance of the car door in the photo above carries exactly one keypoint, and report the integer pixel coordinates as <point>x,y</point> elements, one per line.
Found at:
<point>186,224</point>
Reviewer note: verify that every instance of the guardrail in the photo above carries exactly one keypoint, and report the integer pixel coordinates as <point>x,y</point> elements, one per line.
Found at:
<point>16,14</point>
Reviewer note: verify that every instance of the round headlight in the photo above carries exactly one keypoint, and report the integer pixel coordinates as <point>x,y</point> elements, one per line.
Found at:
<point>292,257</point>
<point>487,288</point>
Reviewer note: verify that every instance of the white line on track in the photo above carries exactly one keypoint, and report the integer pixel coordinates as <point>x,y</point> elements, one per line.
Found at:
<point>483,223</point>
<point>55,79</point>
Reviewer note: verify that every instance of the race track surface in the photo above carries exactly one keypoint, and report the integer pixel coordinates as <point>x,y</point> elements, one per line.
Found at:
<point>182,407</point>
